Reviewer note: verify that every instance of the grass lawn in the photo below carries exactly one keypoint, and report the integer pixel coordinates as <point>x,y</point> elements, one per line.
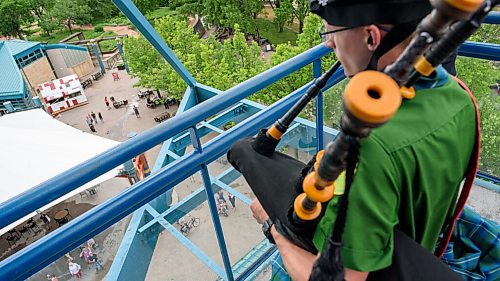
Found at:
<point>58,36</point>
<point>269,30</point>
<point>89,34</point>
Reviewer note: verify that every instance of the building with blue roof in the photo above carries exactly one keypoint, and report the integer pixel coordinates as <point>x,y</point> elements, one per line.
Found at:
<point>26,65</point>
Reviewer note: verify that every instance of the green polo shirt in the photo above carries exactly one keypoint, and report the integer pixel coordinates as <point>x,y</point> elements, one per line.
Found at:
<point>408,175</point>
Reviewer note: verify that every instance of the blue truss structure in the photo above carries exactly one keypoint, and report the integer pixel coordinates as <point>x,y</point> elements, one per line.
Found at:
<point>148,199</point>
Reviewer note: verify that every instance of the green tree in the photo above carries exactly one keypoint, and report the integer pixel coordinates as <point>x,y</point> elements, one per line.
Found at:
<point>188,7</point>
<point>227,13</point>
<point>14,14</point>
<point>283,14</point>
<point>47,23</point>
<point>69,12</point>
<point>42,11</point>
<point>288,10</point>
<point>102,9</point>
<point>147,5</point>
<point>214,64</point>
<point>285,86</point>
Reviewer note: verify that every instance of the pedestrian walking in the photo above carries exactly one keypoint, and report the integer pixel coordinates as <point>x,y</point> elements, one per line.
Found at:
<point>107,103</point>
<point>89,120</point>
<point>91,244</point>
<point>75,269</point>
<point>93,116</point>
<point>46,221</point>
<point>95,261</point>
<point>136,110</point>
<point>232,199</point>
<point>220,195</point>
<point>100,117</point>
<point>69,258</point>
<point>92,128</point>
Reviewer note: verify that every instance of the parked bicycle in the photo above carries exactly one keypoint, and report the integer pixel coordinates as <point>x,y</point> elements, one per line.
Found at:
<point>186,226</point>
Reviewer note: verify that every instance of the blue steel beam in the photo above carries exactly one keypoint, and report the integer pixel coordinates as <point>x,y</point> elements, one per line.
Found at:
<point>492,18</point>
<point>199,196</point>
<point>60,241</point>
<point>187,243</point>
<point>139,21</point>
<point>195,140</point>
<point>319,106</point>
<point>222,180</point>
<point>216,221</point>
<point>480,50</point>
<point>46,192</point>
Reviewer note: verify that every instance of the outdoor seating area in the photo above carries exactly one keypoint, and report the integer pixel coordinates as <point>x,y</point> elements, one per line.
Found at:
<point>165,101</point>
<point>40,225</point>
<point>62,217</point>
<point>162,117</point>
<point>87,83</point>
<point>97,76</point>
<point>116,76</point>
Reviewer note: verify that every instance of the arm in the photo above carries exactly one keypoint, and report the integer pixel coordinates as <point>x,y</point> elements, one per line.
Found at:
<point>297,261</point>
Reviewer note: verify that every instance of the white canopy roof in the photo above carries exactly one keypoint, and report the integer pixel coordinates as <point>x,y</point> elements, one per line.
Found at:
<point>35,147</point>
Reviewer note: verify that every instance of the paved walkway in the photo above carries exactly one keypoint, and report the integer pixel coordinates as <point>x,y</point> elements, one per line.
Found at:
<point>118,123</point>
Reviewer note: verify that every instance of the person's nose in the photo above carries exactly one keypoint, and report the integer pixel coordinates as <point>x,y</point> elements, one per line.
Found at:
<point>329,42</point>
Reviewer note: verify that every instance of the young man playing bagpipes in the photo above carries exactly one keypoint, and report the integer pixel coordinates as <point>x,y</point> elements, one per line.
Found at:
<point>409,173</point>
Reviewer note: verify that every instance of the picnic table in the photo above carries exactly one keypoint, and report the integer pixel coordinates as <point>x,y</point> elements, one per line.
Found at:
<point>97,76</point>
<point>162,117</point>
<point>86,83</point>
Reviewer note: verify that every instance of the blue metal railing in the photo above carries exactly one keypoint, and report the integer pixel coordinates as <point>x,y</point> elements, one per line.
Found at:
<point>54,245</point>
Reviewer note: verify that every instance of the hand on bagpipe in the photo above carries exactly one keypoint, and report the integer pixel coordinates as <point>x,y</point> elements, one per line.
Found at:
<point>370,99</point>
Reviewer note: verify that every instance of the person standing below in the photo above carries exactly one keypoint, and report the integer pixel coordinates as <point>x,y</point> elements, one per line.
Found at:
<point>93,116</point>
<point>95,261</point>
<point>91,244</point>
<point>53,278</point>
<point>136,111</point>
<point>220,196</point>
<point>89,120</point>
<point>100,117</point>
<point>46,221</point>
<point>107,103</point>
<point>232,199</point>
<point>75,269</point>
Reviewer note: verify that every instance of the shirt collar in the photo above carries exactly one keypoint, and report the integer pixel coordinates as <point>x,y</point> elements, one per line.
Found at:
<point>437,79</point>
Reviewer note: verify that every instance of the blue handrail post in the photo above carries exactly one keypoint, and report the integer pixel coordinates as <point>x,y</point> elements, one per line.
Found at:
<point>195,140</point>
<point>319,107</point>
<point>139,21</point>
<point>119,44</point>
<point>97,55</point>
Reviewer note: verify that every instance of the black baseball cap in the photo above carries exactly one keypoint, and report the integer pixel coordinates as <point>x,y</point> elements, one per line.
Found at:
<point>353,13</point>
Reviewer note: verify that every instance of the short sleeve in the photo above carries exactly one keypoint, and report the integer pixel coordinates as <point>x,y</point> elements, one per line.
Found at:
<point>372,211</point>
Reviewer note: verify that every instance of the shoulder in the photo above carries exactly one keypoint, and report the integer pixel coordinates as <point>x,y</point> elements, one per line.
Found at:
<point>427,113</point>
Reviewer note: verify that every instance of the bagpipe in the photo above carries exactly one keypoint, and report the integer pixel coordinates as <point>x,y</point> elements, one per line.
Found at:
<point>370,99</point>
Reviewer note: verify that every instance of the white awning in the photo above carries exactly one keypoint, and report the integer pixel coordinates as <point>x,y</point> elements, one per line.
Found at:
<point>35,147</point>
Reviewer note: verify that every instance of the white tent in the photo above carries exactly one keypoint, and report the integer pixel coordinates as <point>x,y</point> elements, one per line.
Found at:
<point>35,147</point>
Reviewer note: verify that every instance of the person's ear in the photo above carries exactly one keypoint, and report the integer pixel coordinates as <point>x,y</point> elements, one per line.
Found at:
<point>372,37</point>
